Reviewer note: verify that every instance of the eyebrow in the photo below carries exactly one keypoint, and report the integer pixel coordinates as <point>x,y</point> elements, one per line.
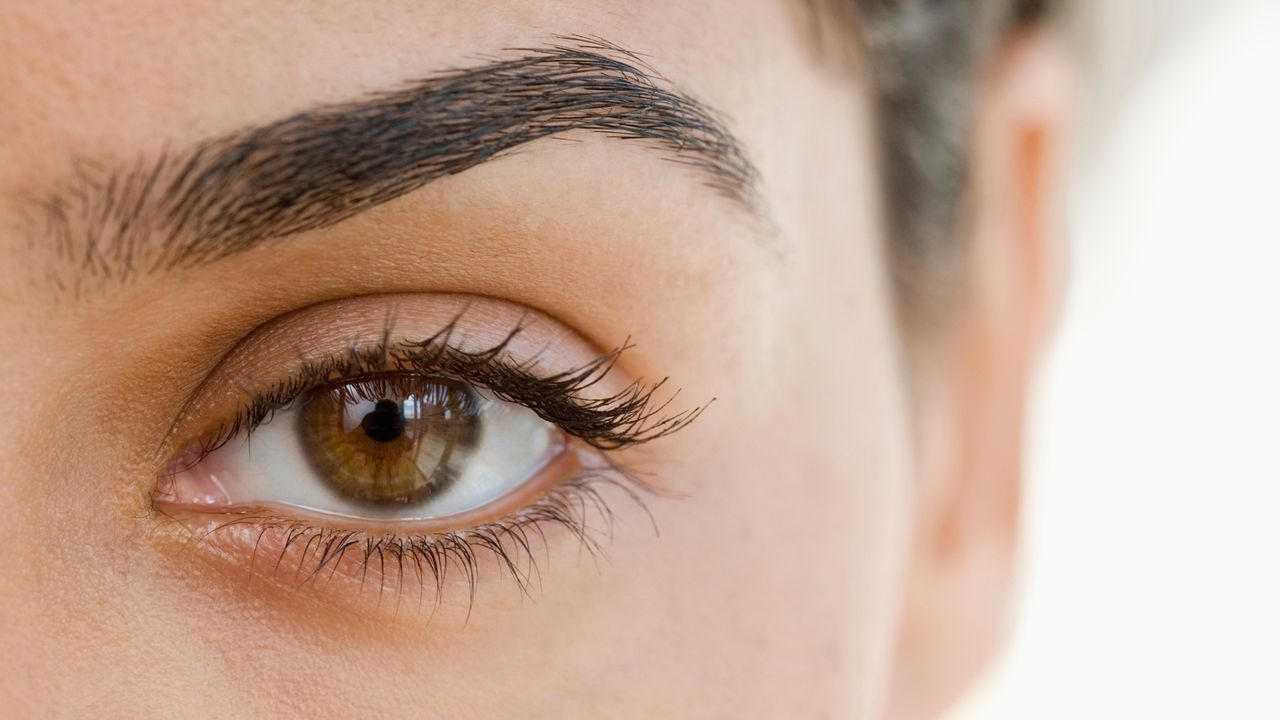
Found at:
<point>319,167</point>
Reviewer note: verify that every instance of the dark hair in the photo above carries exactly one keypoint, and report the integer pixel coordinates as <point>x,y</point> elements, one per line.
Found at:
<point>926,57</point>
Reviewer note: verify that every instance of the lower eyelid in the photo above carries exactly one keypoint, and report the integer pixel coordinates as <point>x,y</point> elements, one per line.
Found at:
<point>439,573</point>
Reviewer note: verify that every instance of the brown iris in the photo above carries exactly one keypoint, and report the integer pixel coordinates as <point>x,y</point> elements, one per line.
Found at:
<point>391,439</point>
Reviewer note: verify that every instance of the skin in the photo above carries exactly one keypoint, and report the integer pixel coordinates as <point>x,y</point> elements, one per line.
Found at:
<point>836,529</point>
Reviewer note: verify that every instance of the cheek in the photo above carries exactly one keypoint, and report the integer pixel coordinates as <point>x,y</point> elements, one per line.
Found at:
<point>797,536</point>
<point>778,578</point>
<point>813,517</point>
<point>77,594</point>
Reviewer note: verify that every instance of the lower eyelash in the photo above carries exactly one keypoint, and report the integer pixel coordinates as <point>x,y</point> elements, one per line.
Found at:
<point>309,553</point>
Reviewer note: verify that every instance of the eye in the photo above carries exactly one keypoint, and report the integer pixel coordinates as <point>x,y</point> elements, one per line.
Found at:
<point>336,440</point>
<point>394,447</point>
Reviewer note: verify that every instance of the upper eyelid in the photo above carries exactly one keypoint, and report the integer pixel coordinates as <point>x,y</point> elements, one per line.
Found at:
<point>333,326</point>
<point>271,358</point>
<point>627,417</point>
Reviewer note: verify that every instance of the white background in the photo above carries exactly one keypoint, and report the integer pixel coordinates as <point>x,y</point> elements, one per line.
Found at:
<point>1151,578</point>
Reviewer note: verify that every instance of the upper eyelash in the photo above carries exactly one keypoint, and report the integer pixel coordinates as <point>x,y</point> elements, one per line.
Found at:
<point>629,417</point>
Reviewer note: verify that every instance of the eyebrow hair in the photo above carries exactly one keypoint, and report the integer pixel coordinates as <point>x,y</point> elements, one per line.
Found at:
<point>319,167</point>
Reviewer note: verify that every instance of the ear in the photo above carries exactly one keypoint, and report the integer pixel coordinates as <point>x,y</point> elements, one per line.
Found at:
<point>973,380</point>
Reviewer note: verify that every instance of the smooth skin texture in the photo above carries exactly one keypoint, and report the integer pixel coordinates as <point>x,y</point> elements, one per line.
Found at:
<point>840,535</point>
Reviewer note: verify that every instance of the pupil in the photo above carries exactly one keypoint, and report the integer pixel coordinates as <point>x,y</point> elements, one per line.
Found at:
<point>385,423</point>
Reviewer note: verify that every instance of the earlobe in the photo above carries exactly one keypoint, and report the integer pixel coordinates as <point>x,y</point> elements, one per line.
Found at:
<point>973,384</point>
